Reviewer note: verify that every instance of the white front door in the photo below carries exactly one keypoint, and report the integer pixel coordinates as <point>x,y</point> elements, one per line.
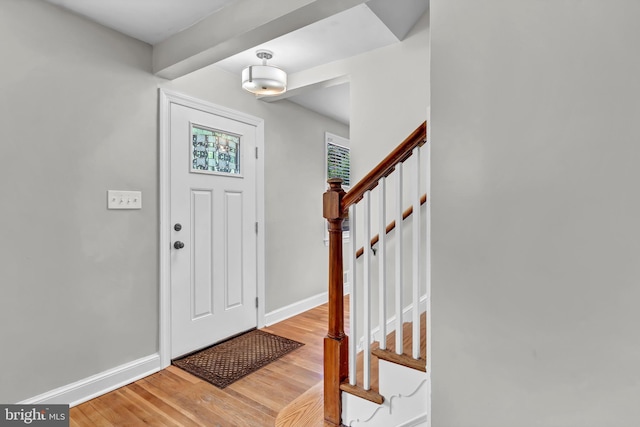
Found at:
<point>213,228</point>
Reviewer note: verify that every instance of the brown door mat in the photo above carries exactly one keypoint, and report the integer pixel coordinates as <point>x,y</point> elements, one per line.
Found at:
<point>227,362</point>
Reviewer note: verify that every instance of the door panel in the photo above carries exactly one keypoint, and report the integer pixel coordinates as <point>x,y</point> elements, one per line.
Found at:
<point>234,250</point>
<point>202,250</point>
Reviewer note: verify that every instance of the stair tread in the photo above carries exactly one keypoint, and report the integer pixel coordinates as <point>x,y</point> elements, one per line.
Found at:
<point>406,359</point>
<point>401,359</point>
<point>370,395</point>
<point>407,338</point>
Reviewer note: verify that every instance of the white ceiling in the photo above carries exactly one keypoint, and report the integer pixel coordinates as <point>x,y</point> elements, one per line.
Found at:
<point>148,20</point>
<point>333,101</point>
<point>327,40</point>
<point>351,32</point>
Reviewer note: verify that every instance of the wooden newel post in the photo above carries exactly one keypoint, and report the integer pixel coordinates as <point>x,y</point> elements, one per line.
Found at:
<point>336,364</point>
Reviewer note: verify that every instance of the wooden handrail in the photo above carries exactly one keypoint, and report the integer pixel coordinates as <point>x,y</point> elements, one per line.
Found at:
<point>335,208</point>
<point>406,214</point>
<point>402,152</point>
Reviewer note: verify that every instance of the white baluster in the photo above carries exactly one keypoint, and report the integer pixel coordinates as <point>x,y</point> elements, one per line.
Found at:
<point>399,321</point>
<point>352,297</point>
<point>366,291</point>
<point>416,255</point>
<point>382,260</point>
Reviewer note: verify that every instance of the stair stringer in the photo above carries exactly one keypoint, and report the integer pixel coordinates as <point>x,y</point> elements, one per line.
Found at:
<point>405,391</point>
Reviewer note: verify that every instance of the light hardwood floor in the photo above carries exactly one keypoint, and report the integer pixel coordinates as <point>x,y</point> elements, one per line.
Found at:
<point>285,393</point>
<point>173,397</point>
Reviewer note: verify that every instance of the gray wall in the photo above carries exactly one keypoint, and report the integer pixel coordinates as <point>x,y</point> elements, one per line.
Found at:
<point>79,283</point>
<point>389,96</point>
<point>296,256</point>
<point>79,117</point>
<point>534,213</point>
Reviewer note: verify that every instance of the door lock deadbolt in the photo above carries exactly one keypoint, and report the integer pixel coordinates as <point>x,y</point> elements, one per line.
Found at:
<point>177,227</point>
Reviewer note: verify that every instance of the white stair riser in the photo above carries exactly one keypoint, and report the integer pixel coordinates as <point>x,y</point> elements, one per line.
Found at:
<point>406,393</point>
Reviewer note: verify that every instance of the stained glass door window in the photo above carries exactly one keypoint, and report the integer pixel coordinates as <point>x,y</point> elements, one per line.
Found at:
<point>214,151</point>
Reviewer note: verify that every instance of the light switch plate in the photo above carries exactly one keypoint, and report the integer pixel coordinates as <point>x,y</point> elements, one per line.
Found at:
<point>117,199</point>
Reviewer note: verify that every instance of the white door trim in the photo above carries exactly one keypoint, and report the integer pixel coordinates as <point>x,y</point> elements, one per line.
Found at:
<point>166,98</point>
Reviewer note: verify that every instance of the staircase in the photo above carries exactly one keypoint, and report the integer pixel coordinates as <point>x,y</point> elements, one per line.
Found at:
<point>376,375</point>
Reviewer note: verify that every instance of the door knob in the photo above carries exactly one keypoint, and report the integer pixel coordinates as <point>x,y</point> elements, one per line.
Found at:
<point>178,245</point>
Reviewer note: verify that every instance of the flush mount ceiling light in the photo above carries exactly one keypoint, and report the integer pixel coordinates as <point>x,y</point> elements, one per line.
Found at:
<point>264,79</point>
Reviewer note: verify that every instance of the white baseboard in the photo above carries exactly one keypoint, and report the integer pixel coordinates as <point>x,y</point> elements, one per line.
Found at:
<point>96,385</point>
<point>420,421</point>
<point>296,308</point>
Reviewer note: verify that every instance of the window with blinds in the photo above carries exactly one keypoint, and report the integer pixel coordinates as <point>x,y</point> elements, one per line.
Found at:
<point>338,159</point>
<point>338,165</point>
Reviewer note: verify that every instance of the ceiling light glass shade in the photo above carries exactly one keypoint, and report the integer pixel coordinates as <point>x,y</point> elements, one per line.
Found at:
<point>264,80</point>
